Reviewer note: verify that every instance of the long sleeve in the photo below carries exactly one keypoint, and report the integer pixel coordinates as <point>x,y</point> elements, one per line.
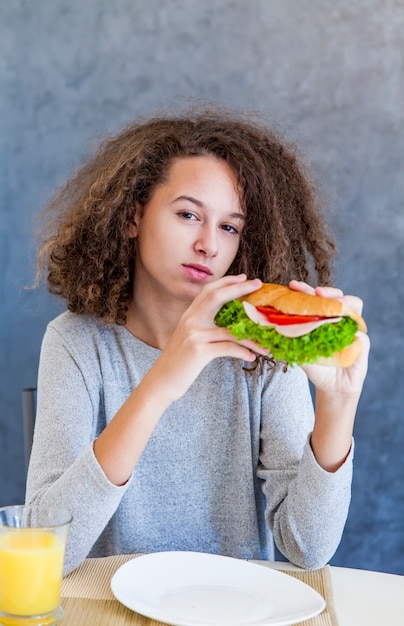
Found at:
<point>306,506</point>
<point>63,470</point>
<point>227,461</point>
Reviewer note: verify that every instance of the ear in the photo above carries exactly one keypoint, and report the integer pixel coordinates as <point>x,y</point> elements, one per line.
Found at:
<point>133,226</point>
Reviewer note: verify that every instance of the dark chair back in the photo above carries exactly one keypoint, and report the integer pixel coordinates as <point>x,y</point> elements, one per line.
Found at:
<point>28,420</point>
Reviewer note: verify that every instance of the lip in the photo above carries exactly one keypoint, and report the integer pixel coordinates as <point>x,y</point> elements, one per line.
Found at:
<point>197,272</point>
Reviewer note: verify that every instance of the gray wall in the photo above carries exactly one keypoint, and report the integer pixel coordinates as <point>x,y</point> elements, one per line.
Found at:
<point>330,72</point>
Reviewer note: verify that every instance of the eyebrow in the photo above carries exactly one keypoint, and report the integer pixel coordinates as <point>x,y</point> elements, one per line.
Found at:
<point>200,204</point>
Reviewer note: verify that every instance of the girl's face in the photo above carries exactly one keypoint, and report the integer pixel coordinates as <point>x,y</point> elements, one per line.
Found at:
<point>189,232</point>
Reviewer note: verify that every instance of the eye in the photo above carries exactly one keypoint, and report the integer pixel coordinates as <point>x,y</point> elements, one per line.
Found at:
<point>230,229</point>
<point>187,215</point>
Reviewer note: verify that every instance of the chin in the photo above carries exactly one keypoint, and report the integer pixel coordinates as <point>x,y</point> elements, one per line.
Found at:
<point>190,291</point>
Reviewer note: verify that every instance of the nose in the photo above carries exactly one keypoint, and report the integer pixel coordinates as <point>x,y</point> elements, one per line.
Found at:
<point>207,242</point>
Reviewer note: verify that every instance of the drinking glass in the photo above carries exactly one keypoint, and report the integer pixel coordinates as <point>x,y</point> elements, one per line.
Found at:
<point>32,549</point>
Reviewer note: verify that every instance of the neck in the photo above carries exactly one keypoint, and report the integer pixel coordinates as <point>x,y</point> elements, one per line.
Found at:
<point>153,320</point>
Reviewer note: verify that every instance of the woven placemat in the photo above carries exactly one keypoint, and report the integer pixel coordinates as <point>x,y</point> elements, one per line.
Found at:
<point>86,612</point>
<point>320,580</point>
<point>87,597</point>
<point>93,578</point>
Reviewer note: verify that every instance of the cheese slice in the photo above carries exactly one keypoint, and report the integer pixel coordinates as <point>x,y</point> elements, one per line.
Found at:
<point>287,330</point>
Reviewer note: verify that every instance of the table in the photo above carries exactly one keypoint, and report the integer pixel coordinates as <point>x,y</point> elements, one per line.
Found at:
<point>368,597</point>
<point>355,597</point>
<point>362,597</point>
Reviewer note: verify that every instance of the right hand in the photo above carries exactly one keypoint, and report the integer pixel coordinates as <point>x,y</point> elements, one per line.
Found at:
<point>194,343</point>
<point>347,381</point>
<point>197,340</point>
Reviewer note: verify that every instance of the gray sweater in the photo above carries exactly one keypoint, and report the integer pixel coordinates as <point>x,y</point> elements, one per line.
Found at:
<point>228,466</point>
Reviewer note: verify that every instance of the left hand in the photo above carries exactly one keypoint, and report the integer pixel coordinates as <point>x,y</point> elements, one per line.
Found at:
<point>345,380</point>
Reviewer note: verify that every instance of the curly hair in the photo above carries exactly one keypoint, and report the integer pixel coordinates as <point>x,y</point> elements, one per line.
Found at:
<point>86,250</point>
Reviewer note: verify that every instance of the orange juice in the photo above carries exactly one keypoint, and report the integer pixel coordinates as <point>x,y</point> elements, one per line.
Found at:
<point>31,567</point>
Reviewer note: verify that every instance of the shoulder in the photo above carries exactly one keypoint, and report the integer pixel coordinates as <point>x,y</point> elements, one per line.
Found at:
<point>76,326</point>
<point>71,322</point>
<point>81,342</point>
<point>88,337</point>
<point>78,335</point>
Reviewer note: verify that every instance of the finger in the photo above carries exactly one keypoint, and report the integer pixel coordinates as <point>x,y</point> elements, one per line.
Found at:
<point>365,341</point>
<point>329,292</point>
<point>324,292</point>
<point>214,342</point>
<point>228,288</point>
<point>230,349</point>
<point>235,285</point>
<point>360,366</point>
<point>300,285</point>
<point>353,302</point>
<point>255,347</point>
<point>222,335</point>
<point>225,281</point>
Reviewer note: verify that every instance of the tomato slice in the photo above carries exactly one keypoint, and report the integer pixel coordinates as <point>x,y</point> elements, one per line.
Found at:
<point>284,319</point>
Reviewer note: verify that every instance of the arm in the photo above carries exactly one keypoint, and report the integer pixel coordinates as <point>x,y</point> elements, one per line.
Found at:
<point>306,505</point>
<point>308,481</point>
<point>195,342</point>
<point>82,462</point>
<point>337,393</point>
<point>63,470</point>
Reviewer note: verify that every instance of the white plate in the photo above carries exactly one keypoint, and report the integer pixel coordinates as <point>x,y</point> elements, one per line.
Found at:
<point>197,589</point>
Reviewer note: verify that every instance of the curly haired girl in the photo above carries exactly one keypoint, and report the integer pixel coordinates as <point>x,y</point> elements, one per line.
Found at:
<point>149,428</point>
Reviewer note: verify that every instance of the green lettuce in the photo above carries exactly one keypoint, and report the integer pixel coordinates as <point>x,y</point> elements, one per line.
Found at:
<point>321,342</point>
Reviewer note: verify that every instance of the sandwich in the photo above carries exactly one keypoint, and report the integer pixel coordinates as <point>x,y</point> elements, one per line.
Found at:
<point>296,327</point>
